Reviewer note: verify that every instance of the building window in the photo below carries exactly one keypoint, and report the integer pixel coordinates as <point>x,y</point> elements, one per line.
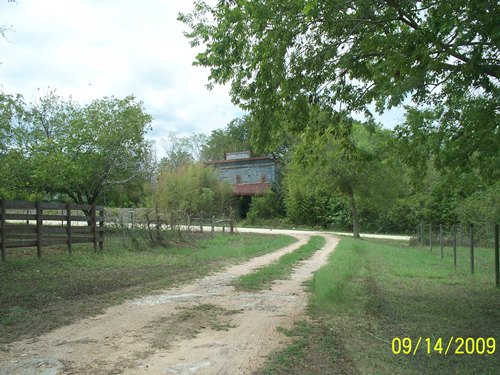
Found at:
<point>238,179</point>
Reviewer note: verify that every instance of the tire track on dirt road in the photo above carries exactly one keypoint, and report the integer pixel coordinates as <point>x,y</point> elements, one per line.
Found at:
<point>121,340</point>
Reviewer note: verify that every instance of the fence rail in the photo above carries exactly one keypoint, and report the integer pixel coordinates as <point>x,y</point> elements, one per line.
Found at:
<point>38,224</point>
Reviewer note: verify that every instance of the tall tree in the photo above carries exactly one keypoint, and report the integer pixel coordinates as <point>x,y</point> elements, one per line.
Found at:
<point>355,169</point>
<point>234,137</point>
<point>279,56</point>
<point>58,147</point>
<point>180,151</point>
<point>191,189</point>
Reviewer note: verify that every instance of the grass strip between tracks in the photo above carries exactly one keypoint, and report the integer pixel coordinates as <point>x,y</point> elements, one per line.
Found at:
<point>282,268</point>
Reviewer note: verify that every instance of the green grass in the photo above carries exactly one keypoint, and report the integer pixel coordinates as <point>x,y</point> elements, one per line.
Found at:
<point>38,295</point>
<point>372,292</point>
<point>281,269</point>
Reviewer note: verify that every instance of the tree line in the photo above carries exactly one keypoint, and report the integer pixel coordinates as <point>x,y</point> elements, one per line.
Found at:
<point>301,70</point>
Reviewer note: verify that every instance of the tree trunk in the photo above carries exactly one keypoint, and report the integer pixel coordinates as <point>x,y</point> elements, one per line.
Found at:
<point>354,213</point>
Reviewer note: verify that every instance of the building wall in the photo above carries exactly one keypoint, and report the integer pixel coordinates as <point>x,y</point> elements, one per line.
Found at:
<point>247,171</point>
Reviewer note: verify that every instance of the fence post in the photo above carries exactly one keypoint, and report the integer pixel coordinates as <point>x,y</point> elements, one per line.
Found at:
<point>2,228</point>
<point>39,223</point>
<point>122,225</point>
<point>471,248</point>
<point>158,226</point>
<point>131,219</point>
<point>101,230</point>
<point>231,224</point>
<point>441,239</point>
<point>430,236</point>
<point>497,259</point>
<point>213,224</point>
<point>68,225</point>
<point>201,222</point>
<point>94,225</point>
<point>223,223</point>
<point>421,234</point>
<point>454,246</point>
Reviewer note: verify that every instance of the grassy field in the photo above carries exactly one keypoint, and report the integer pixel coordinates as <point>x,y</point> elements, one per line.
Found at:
<point>38,295</point>
<point>280,269</point>
<point>372,292</point>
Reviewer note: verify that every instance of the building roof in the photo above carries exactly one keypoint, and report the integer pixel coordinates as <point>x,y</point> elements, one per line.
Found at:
<point>242,160</point>
<point>251,189</point>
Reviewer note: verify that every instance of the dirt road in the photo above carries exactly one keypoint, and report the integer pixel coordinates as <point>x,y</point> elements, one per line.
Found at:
<point>205,327</point>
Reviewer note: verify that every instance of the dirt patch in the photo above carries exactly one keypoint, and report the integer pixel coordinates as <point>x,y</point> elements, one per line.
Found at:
<point>205,327</point>
<point>188,322</point>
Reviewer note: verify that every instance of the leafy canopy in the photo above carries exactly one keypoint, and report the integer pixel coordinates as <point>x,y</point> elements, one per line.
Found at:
<point>347,51</point>
<point>234,137</point>
<point>280,56</point>
<point>56,147</point>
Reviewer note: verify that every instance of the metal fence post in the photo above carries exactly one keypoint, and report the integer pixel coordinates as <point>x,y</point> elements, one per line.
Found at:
<point>441,239</point>
<point>497,259</point>
<point>454,246</point>
<point>430,236</point>
<point>461,242</point>
<point>213,225</point>
<point>471,248</point>
<point>421,234</point>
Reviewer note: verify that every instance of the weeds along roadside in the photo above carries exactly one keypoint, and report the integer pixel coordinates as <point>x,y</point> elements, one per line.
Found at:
<point>39,295</point>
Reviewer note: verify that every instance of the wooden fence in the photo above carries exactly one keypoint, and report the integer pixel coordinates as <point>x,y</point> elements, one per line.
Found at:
<point>37,224</point>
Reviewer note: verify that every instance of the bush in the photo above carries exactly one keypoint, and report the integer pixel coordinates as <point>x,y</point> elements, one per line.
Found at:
<point>266,206</point>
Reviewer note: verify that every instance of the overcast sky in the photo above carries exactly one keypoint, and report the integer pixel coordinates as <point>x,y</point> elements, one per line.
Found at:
<point>94,48</point>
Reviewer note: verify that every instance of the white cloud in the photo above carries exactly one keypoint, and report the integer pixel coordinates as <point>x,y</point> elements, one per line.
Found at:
<point>94,48</point>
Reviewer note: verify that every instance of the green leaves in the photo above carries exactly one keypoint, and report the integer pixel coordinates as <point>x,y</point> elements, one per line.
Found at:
<point>462,137</point>
<point>192,189</point>
<point>57,147</point>
<point>279,56</point>
<point>235,137</point>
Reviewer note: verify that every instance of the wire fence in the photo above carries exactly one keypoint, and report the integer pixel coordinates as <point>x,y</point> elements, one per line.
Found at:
<point>175,220</point>
<point>474,236</point>
<point>149,227</point>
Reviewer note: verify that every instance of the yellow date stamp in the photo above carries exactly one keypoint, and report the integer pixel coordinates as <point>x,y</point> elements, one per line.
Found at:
<point>440,346</point>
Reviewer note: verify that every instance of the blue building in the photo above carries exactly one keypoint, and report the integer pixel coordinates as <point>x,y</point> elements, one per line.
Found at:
<point>249,175</point>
